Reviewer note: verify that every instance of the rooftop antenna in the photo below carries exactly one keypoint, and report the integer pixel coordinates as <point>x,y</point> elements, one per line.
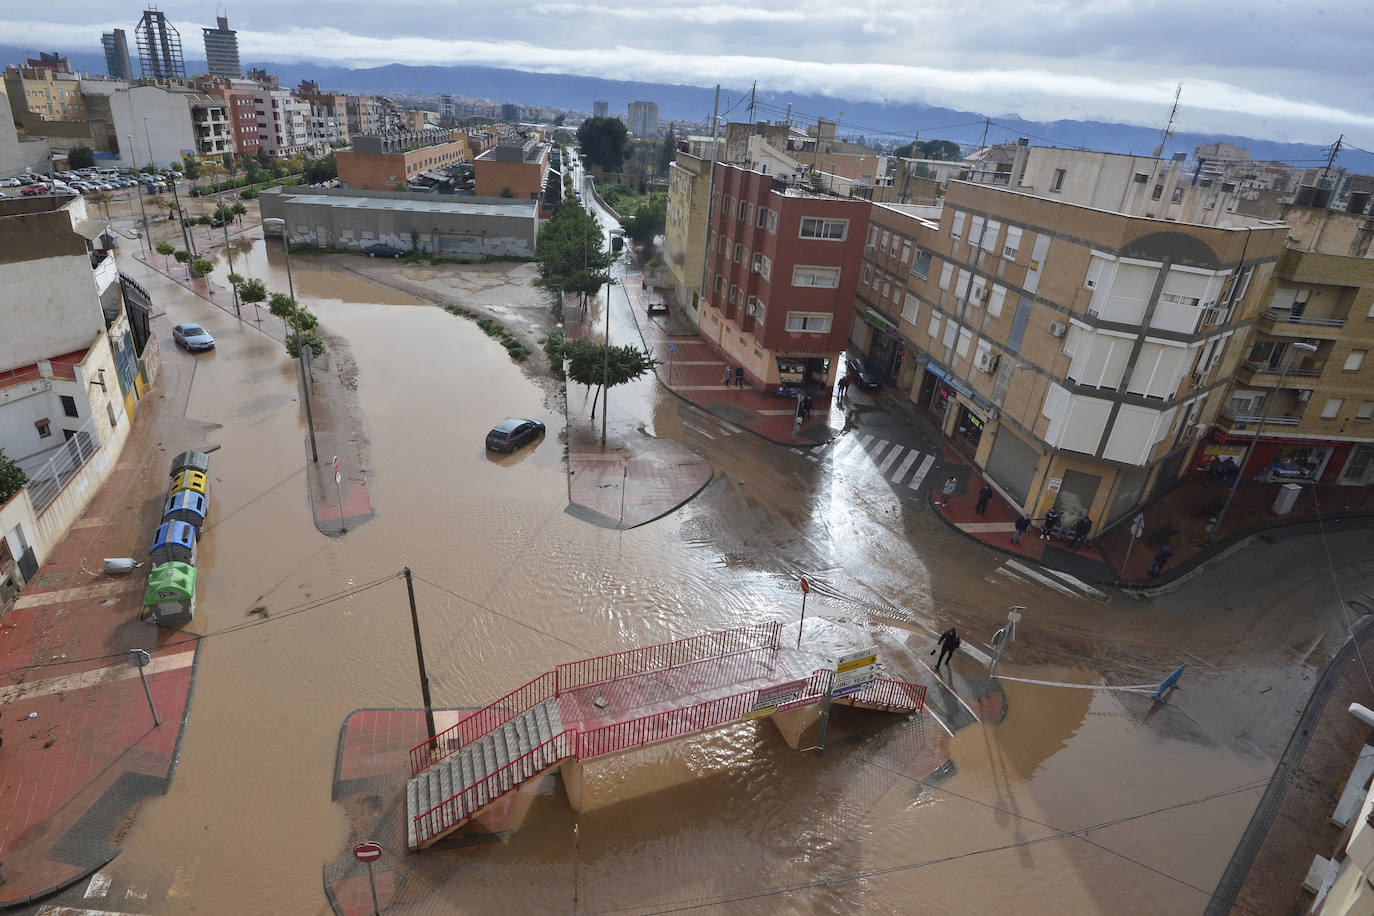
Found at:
<point>1168,130</point>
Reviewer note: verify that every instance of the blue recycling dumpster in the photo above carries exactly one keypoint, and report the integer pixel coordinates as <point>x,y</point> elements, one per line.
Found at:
<point>190,461</point>
<point>186,506</point>
<point>174,542</point>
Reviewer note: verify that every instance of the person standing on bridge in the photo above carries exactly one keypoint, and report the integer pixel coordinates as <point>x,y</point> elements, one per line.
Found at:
<point>948,644</point>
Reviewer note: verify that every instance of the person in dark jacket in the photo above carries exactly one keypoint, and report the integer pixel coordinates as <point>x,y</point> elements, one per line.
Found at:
<point>984,496</point>
<point>1022,524</point>
<point>1161,558</point>
<point>1051,528</point>
<point>1080,531</point>
<point>948,643</point>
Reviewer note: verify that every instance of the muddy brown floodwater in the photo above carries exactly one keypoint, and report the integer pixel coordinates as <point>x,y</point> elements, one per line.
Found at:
<point>508,585</point>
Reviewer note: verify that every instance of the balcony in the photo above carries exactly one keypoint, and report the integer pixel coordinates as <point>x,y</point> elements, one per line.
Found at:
<point>1281,322</point>
<point>1254,419</point>
<point>1262,374</point>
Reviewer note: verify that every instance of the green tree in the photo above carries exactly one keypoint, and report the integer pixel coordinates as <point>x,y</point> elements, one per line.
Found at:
<point>165,248</point>
<point>559,119</point>
<point>190,166</point>
<point>80,157</point>
<point>668,152</point>
<point>182,256</point>
<point>251,292</point>
<point>202,267</point>
<point>649,220</point>
<point>318,171</point>
<point>941,150</point>
<point>12,477</point>
<point>238,209</point>
<point>592,364</point>
<point>571,249</point>
<point>605,142</point>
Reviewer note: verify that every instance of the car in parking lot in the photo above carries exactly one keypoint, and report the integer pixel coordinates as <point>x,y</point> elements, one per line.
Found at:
<point>513,432</point>
<point>862,372</point>
<point>33,190</point>
<point>382,250</point>
<point>193,337</point>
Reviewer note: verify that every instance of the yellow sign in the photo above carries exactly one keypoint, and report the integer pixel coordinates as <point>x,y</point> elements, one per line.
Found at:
<point>851,664</point>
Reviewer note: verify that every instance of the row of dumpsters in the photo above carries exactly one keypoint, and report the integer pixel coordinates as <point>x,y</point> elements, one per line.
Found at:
<point>171,593</point>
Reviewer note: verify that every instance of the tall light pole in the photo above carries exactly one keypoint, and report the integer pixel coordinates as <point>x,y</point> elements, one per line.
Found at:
<point>148,138</point>
<point>1259,431</point>
<point>147,241</point>
<point>228,253</point>
<point>276,223</point>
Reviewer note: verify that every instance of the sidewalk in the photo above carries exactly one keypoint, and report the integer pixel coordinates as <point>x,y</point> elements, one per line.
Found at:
<point>80,748</point>
<point>1180,517</point>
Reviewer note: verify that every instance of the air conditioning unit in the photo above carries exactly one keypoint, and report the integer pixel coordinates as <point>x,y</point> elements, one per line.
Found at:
<point>1058,329</point>
<point>1304,395</point>
<point>985,361</point>
<point>1214,316</point>
<point>1197,430</point>
<point>980,293</point>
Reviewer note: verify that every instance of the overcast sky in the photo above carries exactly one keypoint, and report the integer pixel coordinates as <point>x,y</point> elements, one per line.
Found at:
<point>1295,70</point>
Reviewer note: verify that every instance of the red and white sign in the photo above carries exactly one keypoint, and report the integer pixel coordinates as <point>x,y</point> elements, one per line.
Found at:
<point>337,476</point>
<point>367,852</point>
<point>806,586</point>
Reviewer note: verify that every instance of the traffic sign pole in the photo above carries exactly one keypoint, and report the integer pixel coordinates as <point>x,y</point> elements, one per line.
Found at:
<point>370,852</point>
<point>372,883</point>
<point>806,589</point>
<point>672,348</point>
<point>1137,529</point>
<point>338,493</point>
<point>140,659</point>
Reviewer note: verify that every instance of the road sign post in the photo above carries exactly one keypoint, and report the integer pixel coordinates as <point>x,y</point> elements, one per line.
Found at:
<point>1137,530</point>
<point>370,852</point>
<point>1003,636</point>
<point>806,589</point>
<point>672,348</point>
<point>338,493</point>
<point>140,659</point>
<point>852,673</point>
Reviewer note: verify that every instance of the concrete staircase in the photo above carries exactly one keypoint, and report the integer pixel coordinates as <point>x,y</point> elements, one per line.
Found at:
<point>450,792</point>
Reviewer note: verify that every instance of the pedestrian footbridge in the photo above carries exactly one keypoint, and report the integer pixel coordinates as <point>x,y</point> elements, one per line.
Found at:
<point>599,707</point>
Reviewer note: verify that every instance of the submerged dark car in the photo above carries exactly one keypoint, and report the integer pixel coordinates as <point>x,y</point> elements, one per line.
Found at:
<point>863,373</point>
<point>513,432</point>
<point>381,250</point>
<point>193,337</point>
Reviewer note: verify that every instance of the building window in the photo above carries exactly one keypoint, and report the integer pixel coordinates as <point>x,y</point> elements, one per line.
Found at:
<point>956,227</point>
<point>1058,183</point>
<point>1366,411</point>
<point>43,427</point>
<point>823,277</point>
<point>724,245</point>
<point>114,418</point>
<point>1012,243</point>
<point>1355,360</point>
<point>921,266</point>
<point>946,274</point>
<point>69,406</point>
<point>763,217</point>
<point>906,251</point>
<point>808,322</point>
<point>772,222</point>
<point>720,284</point>
<point>831,230</point>
<point>734,294</point>
<point>1333,407</point>
<point>763,265</point>
<point>739,252</point>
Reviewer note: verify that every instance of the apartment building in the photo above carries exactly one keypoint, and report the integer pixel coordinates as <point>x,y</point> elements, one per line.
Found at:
<point>1303,400</point>
<point>1076,354</point>
<point>643,119</point>
<point>222,49</point>
<point>328,114</point>
<point>47,93</point>
<point>381,162</point>
<point>282,121</point>
<point>516,167</point>
<point>685,226</point>
<point>155,123</point>
<point>783,268</point>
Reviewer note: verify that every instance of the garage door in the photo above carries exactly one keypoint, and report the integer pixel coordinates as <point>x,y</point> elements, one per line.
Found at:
<point>459,243</point>
<point>1012,464</point>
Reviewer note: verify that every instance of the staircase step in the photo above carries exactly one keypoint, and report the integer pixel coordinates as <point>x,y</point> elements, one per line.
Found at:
<point>412,811</point>
<point>540,720</point>
<point>446,788</point>
<point>555,719</point>
<point>522,731</point>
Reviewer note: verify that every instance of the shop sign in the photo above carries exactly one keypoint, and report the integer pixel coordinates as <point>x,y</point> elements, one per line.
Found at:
<point>939,372</point>
<point>1054,484</point>
<point>879,322</point>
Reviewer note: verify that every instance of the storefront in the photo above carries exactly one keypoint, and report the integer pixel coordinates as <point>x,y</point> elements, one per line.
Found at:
<point>1280,460</point>
<point>803,372</point>
<point>936,395</point>
<point>886,348</point>
<point>970,426</point>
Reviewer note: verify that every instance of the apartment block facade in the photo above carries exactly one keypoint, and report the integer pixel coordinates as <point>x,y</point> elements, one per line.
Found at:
<point>684,233</point>
<point>514,167</point>
<point>382,162</point>
<point>1077,355</point>
<point>782,268</point>
<point>1316,407</point>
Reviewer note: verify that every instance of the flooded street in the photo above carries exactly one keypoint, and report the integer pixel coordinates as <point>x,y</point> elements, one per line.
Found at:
<point>508,584</point>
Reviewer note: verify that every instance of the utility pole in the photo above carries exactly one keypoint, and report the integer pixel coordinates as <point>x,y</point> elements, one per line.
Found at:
<point>606,367</point>
<point>987,122</point>
<point>752,92</point>
<point>1335,148</point>
<point>420,655</point>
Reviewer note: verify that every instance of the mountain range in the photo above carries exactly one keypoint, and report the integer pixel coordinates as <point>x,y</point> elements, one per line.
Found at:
<point>899,123</point>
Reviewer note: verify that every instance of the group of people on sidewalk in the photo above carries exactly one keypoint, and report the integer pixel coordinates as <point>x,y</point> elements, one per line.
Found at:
<point>1052,526</point>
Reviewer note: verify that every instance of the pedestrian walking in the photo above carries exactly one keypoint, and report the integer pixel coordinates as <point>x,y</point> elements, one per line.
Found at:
<point>1080,531</point>
<point>1051,527</point>
<point>984,495</point>
<point>1022,523</point>
<point>947,491</point>
<point>725,379</point>
<point>947,644</point>
<point>806,407</point>
<point>1161,558</point>
<point>739,376</point>
<point>844,387</point>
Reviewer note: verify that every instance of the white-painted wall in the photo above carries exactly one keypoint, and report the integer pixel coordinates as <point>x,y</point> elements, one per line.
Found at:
<point>51,307</point>
<point>165,114</point>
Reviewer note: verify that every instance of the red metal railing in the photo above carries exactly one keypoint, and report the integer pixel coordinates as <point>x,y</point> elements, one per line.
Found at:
<point>667,655</point>
<point>892,694</point>
<point>468,729</point>
<point>465,803</point>
<point>622,736</point>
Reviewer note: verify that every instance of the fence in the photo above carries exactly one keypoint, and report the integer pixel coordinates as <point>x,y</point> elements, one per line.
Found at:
<point>47,481</point>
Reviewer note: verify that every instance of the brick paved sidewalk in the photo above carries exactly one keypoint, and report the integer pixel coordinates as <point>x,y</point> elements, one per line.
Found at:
<point>80,748</point>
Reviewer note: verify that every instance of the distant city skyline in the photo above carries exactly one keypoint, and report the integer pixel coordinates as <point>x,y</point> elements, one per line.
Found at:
<point>1102,62</point>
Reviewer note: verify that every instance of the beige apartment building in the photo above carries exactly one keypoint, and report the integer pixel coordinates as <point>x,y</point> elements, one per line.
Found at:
<point>47,93</point>
<point>1076,354</point>
<point>1315,406</point>
<point>684,237</point>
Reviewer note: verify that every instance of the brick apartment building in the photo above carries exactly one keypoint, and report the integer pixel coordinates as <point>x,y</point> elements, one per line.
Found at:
<point>381,162</point>
<point>1077,355</point>
<point>782,270</point>
<point>515,167</point>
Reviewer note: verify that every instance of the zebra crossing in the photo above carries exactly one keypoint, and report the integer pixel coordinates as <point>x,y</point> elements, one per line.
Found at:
<point>1022,574</point>
<point>870,456</point>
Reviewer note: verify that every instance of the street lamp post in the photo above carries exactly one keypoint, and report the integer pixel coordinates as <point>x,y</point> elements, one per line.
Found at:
<point>275,223</point>
<point>1259,431</point>
<point>147,241</point>
<point>228,254</point>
